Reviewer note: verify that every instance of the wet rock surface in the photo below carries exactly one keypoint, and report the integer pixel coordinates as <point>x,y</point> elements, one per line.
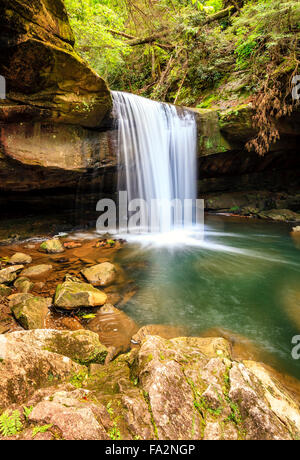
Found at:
<point>20,258</point>
<point>100,275</point>
<point>71,295</point>
<point>8,275</point>
<point>53,246</point>
<point>37,271</point>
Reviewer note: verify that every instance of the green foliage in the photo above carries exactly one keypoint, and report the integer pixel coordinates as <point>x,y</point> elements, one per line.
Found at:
<point>10,424</point>
<point>114,433</point>
<point>40,429</point>
<point>185,57</point>
<point>27,411</point>
<point>78,379</point>
<point>92,21</point>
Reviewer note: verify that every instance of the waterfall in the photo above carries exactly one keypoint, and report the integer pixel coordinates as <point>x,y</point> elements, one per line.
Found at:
<point>157,154</point>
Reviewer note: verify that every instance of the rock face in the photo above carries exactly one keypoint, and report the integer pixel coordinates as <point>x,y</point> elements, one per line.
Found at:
<point>37,36</point>
<point>232,177</point>
<point>71,295</point>
<point>53,99</point>
<point>179,389</point>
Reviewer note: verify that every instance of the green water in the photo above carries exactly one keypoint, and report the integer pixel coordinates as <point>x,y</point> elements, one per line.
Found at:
<point>254,292</point>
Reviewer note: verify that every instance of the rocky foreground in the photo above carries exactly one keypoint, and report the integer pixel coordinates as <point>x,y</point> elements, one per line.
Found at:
<point>74,367</point>
<point>54,385</point>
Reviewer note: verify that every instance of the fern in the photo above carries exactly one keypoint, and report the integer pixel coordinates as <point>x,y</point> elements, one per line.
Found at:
<point>10,424</point>
<point>27,411</point>
<point>40,429</point>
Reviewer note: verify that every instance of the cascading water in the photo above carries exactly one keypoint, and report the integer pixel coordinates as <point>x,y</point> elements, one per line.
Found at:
<point>157,154</point>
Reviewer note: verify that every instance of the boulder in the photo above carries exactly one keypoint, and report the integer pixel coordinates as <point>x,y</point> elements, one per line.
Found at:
<point>24,369</point>
<point>101,274</point>
<point>8,275</point>
<point>20,258</point>
<point>5,291</point>
<point>73,415</point>
<point>37,271</point>
<point>73,294</point>
<point>280,215</point>
<point>190,383</point>
<point>81,346</point>
<point>296,229</point>
<point>30,311</point>
<point>23,284</point>
<point>53,246</point>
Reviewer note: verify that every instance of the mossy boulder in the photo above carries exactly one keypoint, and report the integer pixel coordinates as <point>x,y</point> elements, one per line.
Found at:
<point>280,215</point>
<point>73,294</point>
<point>53,246</point>
<point>81,346</point>
<point>29,310</point>
<point>23,285</point>
<point>5,290</point>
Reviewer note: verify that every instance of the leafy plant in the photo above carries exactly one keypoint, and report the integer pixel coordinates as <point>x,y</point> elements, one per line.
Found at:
<point>10,424</point>
<point>40,429</point>
<point>27,411</point>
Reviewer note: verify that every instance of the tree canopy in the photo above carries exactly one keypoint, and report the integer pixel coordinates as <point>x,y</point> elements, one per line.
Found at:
<point>204,53</point>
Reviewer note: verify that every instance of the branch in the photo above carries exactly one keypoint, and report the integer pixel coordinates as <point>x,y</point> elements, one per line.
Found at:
<point>220,15</point>
<point>149,39</point>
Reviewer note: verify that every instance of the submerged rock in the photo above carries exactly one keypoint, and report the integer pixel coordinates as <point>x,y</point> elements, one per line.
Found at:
<point>115,330</point>
<point>37,271</point>
<point>74,294</point>
<point>100,275</point>
<point>53,246</point>
<point>162,330</point>
<point>30,311</point>
<point>8,275</point>
<point>23,284</point>
<point>80,346</point>
<point>20,258</point>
